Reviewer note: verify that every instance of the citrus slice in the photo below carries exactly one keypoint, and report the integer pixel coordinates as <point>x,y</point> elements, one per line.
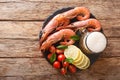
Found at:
<point>88,64</point>
<point>80,63</point>
<point>85,64</point>
<point>78,59</point>
<point>72,52</point>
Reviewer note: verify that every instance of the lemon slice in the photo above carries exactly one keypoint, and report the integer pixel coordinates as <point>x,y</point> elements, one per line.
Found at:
<point>88,64</point>
<point>85,67</point>
<point>78,59</point>
<point>80,63</point>
<point>72,52</point>
<point>85,64</point>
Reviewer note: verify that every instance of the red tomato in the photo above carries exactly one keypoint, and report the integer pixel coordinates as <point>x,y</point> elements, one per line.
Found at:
<point>56,64</point>
<point>72,68</point>
<point>63,71</point>
<point>65,64</point>
<point>61,57</point>
<point>49,56</point>
<point>58,51</point>
<point>52,49</point>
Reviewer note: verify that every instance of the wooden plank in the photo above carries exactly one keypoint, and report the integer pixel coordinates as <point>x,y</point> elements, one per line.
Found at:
<point>29,48</point>
<point>111,28</point>
<point>20,39</point>
<point>19,48</point>
<point>12,78</point>
<point>62,1</point>
<point>34,10</point>
<point>14,29</point>
<point>27,69</point>
<point>31,29</point>
<point>75,1</point>
<point>25,66</point>
<point>113,48</point>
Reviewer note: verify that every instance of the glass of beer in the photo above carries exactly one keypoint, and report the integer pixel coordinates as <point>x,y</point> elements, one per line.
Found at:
<point>93,42</point>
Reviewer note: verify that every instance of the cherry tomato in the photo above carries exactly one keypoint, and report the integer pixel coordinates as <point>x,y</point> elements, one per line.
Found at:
<point>65,64</point>
<point>56,64</point>
<point>72,68</point>
<point>58,51</point>
<point>49,56</point>
<point>52,49</point>
<point>63,71</point>
<point>61,57</point>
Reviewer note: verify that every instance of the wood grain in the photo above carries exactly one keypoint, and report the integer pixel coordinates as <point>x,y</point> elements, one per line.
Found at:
<point>20,23</point>
<point>113,48</point>
<point>38,69</point>
<point>15,29</point>
<point>31,29</point>
<point>29,48</point>
<point>20,38</point>
<point>61,1</point>
<point>34,10</point>
<point>19,48</point>
<point>25,66</point>
<point>111,28</point>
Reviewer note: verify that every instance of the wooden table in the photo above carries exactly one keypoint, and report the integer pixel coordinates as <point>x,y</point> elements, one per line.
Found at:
<point>20,23</point>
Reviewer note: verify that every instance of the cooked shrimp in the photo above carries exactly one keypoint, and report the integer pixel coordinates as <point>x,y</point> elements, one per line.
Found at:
<point>57,36</point>
<point>58,20</point>
<point>90,24</point>
<point>83,13</point>
<point>93,25</point>
<point>74,25</point>
<point>63,19</point>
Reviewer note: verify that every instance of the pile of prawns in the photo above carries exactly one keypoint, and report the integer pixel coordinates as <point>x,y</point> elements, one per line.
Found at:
<point>64,29</point>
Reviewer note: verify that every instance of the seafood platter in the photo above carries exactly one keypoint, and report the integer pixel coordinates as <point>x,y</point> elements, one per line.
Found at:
<point>72,39</point>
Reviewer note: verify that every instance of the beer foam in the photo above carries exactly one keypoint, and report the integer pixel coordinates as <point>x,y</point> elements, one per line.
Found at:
<point>96,42</point>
